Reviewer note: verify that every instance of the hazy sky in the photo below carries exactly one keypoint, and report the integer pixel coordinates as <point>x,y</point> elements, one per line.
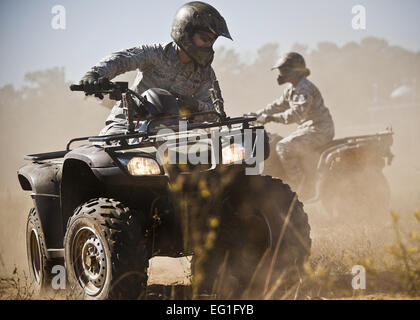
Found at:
<point>95,28</point>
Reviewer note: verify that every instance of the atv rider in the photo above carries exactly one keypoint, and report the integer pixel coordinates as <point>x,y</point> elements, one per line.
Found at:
<point>182,67</point>
<point>301,103</point>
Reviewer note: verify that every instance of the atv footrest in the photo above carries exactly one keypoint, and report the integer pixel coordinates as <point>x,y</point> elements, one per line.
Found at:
<point>55,253</point>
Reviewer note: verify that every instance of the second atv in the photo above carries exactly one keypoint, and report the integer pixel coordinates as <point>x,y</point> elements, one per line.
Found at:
<point>346,175</point>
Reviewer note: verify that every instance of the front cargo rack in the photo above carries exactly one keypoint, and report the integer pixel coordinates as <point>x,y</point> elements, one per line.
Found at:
<point>122,138</point>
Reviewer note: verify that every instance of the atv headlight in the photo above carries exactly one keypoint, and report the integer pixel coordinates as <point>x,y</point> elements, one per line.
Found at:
<point>141,166</point>
<point>232,153</point>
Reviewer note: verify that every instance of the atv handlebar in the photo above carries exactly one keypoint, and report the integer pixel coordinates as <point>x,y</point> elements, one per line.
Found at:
<point>104,88</point>
<point>114,89</point>
<point>120,91</point>
<point>77,87</point>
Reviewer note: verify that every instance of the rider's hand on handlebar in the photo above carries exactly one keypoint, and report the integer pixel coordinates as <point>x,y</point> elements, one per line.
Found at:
<point>92,81</point>
<point>261,117</point>
<point>265,118</point>
<point>251,114</point>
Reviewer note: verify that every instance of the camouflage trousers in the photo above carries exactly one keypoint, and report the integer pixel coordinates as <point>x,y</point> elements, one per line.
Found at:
<point>295,148</point>
<point>114,128</point>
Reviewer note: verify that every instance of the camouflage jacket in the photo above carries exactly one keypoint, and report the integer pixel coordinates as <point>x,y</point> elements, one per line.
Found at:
<point>159,67</point>
<point>302,104</point>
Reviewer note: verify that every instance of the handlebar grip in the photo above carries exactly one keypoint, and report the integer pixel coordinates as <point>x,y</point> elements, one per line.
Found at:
<point>77,87</point>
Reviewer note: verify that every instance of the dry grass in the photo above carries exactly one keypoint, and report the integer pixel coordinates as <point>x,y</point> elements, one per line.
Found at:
<point>16,287</point>
<point>389,251</point>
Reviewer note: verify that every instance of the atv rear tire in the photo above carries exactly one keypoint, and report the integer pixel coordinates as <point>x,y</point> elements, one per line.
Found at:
<point>105,252</point>
<point>39,265</point>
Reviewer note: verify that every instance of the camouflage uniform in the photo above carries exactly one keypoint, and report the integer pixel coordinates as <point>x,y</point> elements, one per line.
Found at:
<point>159,67</point>
<point>302,104</point>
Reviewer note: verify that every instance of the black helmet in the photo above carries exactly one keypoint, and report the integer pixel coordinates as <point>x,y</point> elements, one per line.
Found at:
<point>197,16</point>
<point>291,66</point>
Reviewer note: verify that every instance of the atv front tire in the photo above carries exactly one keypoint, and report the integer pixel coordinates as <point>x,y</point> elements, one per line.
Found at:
<point>105,251</point>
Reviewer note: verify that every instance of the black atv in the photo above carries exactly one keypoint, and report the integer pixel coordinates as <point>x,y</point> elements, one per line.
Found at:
<point>109,205</point>
<point>346,175</point>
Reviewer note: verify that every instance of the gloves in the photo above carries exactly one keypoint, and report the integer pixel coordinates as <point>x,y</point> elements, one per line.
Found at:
<point>265,118</point>
<point>92,81</point>
<point>251,114</point>
<point>262,118</point>
<point>90,78</point>
<point>188,103</point>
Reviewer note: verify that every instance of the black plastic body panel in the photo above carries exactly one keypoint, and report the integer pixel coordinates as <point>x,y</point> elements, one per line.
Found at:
<point>46,156</point>
<point>115,176</point>
<point>94,156</point>
<point>48,208</point>
<point>41,177</point>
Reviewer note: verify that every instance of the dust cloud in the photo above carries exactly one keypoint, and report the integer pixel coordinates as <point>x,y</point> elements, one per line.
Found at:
<point>367,86</point>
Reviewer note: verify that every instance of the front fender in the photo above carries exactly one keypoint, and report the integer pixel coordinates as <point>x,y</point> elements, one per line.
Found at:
<point>92,155</point>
